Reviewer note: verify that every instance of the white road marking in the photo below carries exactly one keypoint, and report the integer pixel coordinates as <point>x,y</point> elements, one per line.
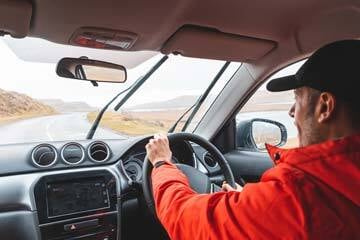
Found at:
<point>47,130</point>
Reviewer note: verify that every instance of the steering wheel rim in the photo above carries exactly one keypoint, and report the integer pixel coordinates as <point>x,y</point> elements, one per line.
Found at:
<point>218,157</point>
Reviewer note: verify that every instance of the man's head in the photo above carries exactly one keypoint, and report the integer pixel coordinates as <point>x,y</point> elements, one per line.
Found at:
<point>326,89</point>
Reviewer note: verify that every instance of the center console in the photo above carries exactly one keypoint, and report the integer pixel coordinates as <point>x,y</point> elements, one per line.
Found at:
<point>79,205</point>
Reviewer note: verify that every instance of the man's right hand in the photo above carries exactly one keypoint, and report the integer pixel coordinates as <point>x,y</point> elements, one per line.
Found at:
<point>227,188</point>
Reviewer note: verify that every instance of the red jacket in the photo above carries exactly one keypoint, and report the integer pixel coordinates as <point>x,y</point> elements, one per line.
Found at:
<point>311,193</point>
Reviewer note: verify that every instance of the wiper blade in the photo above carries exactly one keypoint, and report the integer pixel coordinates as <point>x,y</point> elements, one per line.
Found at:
<point>103,110</point>
<point>141,82</point>
<point>132,89</point>
<point>204,95</point>
<point>173,127</point>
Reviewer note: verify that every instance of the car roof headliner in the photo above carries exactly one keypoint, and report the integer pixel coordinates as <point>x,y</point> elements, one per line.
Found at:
<point>39,50</point>
<point>252,29</point>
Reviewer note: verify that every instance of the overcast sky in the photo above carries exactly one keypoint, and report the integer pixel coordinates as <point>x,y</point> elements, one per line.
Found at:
<point>178,76</point>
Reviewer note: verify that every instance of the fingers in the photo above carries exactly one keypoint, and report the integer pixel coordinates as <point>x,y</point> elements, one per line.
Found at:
<point>158,148</point>
<point>226,187</point>
<point>238,187</point>
<point>161,138</point>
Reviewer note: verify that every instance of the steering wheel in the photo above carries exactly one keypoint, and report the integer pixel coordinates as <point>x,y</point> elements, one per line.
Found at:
<point>199,181</point>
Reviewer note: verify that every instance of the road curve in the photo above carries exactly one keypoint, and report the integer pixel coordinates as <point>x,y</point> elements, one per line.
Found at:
<point>70,126</point>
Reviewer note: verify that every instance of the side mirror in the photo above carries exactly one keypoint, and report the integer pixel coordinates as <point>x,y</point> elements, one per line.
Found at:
<point>253,134</point>
<point>91,70</point>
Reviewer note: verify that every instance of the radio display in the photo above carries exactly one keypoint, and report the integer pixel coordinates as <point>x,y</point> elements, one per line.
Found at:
<point>83,195</point>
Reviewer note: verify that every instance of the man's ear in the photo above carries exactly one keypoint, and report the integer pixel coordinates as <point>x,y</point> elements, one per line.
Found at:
<point>326,107</point>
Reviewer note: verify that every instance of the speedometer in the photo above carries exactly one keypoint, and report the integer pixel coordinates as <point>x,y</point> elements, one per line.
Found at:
<point>133,169</point>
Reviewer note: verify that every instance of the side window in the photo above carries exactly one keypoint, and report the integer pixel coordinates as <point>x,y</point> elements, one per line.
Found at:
<point>265,117</point>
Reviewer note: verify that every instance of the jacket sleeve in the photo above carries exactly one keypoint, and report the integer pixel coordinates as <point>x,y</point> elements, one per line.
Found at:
<point>251,214</point>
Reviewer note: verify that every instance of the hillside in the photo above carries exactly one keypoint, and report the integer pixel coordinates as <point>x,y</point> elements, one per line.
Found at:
<point>262,101</point>
<point>175,103</point>
<point>64,107</point>
<point>16,105</point>
<point>159,116</point>
<point>265,101</point>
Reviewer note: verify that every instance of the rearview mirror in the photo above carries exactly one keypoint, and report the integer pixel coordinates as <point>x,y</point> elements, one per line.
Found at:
<point>255,133</point>
<point>91,70</point>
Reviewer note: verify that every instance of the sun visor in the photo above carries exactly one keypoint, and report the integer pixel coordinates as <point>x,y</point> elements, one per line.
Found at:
<point>212,44</point>
<point>15,17</point>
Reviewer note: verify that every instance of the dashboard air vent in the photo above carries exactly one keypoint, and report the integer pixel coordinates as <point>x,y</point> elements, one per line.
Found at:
<point>209,160</point>
<point>72,153</point>
<point>99,152</point>
<point>44,155</point>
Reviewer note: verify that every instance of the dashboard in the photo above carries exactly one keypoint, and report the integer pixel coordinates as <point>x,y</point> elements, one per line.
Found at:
<point>182,152</point>
<point>86,189</point>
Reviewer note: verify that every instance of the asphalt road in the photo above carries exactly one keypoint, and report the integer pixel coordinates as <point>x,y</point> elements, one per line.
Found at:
<point>72,126</point>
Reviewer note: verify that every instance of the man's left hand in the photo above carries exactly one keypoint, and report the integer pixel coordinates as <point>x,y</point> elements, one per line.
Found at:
<point>158,149</point>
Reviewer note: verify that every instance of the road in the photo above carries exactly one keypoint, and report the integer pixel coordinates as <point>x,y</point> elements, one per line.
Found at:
<point>71,126</point>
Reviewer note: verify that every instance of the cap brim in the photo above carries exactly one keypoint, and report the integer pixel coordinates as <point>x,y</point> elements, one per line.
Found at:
<point>283,84</point>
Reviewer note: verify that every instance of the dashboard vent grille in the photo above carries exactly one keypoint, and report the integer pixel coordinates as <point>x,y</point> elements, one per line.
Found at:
<point>72,153</point>
<point>209,160</point>
<point>44,155</point>
<point>99,152</point>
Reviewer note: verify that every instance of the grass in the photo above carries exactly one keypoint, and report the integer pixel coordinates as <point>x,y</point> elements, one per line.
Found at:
<point>127,124</point>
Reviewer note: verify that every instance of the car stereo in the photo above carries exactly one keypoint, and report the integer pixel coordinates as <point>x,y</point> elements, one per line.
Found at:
<point>74,205</point>
<point>77,196</point>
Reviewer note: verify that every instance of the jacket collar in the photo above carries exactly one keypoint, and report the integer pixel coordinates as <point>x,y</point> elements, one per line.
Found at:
<point>317,151</point>
<point>335,163</point>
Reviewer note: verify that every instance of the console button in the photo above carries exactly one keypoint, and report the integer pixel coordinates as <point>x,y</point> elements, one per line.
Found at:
<point>81,225</point>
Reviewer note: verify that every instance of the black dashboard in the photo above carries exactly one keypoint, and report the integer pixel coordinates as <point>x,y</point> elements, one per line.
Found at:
<point>86,189</point>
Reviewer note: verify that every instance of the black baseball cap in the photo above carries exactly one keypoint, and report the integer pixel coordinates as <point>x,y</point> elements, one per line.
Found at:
<point>333,68</point>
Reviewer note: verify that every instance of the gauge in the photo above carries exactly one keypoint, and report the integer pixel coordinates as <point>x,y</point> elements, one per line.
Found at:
<point>133,169</point>
<point>133,166</point>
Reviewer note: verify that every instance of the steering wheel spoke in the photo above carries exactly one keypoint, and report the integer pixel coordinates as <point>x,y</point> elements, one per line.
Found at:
<point>214,188</point>
<point>217,179</point>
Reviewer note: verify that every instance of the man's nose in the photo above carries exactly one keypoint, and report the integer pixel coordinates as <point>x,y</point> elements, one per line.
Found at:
<point>292,111</point>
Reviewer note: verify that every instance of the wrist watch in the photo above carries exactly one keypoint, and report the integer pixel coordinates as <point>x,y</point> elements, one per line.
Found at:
<point>159,163</point>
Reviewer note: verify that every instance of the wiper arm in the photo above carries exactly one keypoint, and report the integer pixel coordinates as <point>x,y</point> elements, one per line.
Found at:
<point>103,110</point>
<point>141,82</point>
<point>172,129</point>
<point>204,95</point>
<point>131,90</point>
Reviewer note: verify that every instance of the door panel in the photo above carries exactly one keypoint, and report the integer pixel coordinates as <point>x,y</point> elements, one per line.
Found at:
<point>248,165</point>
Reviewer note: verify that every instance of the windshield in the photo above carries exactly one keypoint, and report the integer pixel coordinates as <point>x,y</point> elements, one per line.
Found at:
<point>37,105</point>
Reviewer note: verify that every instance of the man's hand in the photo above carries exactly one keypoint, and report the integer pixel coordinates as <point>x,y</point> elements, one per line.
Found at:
<point>227,188</point>
<point>158,149</point>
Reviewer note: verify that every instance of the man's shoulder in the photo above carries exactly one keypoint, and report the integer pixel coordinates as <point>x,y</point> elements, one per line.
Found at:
<point>280,180</point>
<point>286,174</point>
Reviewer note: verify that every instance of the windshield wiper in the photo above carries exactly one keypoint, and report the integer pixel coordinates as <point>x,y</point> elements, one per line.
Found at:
<point>131,90</point>
<point>173,127</point>
<point>204,95</point>
<point>141,82</point>
<point>103,110</point>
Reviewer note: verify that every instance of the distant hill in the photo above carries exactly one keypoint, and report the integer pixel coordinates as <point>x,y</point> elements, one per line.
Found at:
<point>14,104</point>
<point>265,101</point>
<point>63,107</point>
<point>262,101</point>
<point>175,103</point>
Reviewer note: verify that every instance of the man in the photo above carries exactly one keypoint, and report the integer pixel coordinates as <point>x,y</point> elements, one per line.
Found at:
<point>313,192</point>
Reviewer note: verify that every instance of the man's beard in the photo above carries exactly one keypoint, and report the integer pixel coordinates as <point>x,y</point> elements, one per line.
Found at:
<point>310,134</point>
